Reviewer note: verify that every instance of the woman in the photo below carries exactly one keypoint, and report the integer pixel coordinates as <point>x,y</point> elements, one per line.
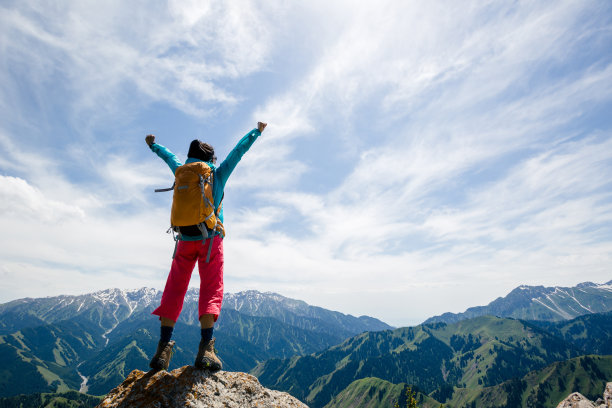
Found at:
<point>192,247</point>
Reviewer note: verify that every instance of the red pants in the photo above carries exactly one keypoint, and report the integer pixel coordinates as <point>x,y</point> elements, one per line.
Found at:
<point>211,279</point>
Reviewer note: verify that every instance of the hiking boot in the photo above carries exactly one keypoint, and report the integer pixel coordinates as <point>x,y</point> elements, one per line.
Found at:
<point>161,359</point>
<point>206,358</point>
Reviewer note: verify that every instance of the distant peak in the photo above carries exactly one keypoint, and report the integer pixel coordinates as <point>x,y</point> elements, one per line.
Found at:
<point>256,292</point>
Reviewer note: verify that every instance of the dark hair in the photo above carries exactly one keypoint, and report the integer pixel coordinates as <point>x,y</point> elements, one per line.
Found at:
<point>202,151</point>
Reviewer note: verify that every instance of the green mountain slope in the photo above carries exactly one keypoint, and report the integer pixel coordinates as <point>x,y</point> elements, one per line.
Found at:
<point>542,388</point>
<point>44,358</point>
<point>17,367</point>
<point>377,393</point>
<point>590,333</point>
<point>472,353</point>
<point>276,338</point>
<point>300,314</point>
<point>71,399</point>
<point>49,342</point>
<point>134,350</point>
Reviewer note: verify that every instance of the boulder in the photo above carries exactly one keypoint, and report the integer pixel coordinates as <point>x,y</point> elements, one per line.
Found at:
<point>607,397</point>
<point>577,400</point>
<point>188,387</point>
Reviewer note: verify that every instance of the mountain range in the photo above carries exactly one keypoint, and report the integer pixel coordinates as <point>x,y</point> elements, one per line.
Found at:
<point>91,342</point>
<point>482,357</point>
<point>541,303</point>
<point>452,363</point>
<point>538,389</point>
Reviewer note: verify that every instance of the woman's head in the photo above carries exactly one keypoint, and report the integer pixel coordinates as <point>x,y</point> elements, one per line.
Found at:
<point>202,151</point>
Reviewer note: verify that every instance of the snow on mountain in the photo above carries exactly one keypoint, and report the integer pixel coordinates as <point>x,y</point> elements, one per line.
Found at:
<point>299,313</point>
<point>107,307</point>
<point>542,303</point>
<point>110,307</point>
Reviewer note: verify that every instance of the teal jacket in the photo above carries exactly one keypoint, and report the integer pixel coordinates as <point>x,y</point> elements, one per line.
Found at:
<point>221,173</point>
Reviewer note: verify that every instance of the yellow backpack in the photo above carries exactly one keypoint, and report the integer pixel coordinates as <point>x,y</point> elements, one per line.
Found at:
<point>193,202</point>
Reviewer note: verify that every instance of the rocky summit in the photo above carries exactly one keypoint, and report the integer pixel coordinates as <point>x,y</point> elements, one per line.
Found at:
<point>188,387</point>
<point>577,400</point>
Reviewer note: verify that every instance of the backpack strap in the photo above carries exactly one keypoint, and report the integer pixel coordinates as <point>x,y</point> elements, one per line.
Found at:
<point>207,235</point>
<point>202,226</point>
<point>202,182</point>
<point>176,236</point>
<point>212,237</point>
<point>161,190</point>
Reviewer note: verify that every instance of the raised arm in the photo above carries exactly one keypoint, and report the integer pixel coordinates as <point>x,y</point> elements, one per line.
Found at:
<point>229,164</point>
<point>166,155</point>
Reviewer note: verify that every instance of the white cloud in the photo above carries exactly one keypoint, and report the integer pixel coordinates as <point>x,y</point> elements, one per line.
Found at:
<point>419,158</point>
<point>182,57</point>
<point>21,201</point>
<point>487,113</point>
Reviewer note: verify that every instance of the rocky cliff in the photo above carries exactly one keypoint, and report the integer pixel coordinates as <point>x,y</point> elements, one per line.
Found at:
<point>577,400</point>
<point>188,387</point>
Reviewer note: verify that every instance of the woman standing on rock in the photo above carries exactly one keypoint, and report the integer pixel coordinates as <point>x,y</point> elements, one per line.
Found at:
<point>197,219</point>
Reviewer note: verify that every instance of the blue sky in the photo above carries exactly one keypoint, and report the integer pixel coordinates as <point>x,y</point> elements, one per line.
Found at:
<point>421,157</point>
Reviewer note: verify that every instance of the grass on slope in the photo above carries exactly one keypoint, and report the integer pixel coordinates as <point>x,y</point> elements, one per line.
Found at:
<point>71,399</point>
<point>376,393</point>
<point>542,388</point>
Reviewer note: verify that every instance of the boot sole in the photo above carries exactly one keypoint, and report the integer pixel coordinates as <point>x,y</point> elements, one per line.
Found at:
<point>207,364</point>
<point>158,368</point>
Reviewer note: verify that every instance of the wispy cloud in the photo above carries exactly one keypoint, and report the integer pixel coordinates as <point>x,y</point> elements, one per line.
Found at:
<point>482,167</point>
<point>181,54</point>
<point>22,201</point>
<point>419,157</point>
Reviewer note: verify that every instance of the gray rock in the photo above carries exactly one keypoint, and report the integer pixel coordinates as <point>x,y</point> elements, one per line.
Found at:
<point>607,397</point>
<point>577,400</point>
<point>188,387</point>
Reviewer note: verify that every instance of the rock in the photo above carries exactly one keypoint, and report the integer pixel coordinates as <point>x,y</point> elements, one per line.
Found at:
<point>188,387</point>
<point>607,397</point>
<point>577,400</point>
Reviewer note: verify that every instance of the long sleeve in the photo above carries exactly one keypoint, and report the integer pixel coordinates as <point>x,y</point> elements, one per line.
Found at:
<point>229,164</point>
<point>166,155</point>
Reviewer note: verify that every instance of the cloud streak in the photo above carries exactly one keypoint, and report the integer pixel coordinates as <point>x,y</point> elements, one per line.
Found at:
<point>179,55</point>
<point>420,158</point>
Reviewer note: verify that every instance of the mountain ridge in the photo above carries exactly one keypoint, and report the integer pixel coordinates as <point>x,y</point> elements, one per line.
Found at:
<point>471,354</point>
<point>309,351</point>
<point>62,341</point>
<point>120,304</point>
<point>554,303</point>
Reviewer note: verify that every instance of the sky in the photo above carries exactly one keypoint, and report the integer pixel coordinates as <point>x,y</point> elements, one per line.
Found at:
<point>420,157</point>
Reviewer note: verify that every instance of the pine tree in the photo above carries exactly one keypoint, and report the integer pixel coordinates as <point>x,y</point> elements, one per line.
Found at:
<point>411,401</point>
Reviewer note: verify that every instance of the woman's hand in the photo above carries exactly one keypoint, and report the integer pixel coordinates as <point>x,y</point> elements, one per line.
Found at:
<point>150,139</point>
<point>261,126</point>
